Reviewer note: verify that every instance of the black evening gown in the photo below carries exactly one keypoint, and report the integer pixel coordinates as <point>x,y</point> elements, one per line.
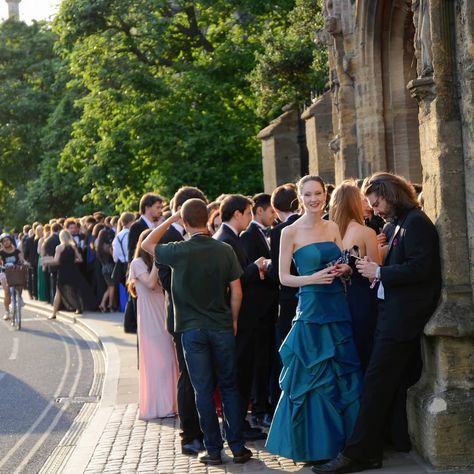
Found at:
<point>363,308</point>
<point>76,294</point>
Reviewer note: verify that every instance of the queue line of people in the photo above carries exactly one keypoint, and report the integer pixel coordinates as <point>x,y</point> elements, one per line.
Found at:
<point>304,303</point>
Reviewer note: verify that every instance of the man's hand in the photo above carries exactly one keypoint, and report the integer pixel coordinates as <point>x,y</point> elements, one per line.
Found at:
<point>260,262</point>
<point>367,268</point>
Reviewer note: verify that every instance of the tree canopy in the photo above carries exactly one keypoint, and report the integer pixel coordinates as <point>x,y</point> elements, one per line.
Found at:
<point>120,97</point>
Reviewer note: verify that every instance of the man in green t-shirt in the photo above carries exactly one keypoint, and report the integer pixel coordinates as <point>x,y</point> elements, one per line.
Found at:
<point>205,285</point>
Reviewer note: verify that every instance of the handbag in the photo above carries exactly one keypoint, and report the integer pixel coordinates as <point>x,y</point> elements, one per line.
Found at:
<point>119,272</point>
<point>130,316</point>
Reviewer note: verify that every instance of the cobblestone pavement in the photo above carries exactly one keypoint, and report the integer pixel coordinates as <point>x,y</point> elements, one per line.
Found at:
<point>129,445</point>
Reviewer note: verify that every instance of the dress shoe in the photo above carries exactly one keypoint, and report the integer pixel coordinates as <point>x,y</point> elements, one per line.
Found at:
<point>264,421</point>
<point>342,464</point>
<point>210,459</point>
<point>243,456</point>
<point>251,435</point>
<point>192,448</point>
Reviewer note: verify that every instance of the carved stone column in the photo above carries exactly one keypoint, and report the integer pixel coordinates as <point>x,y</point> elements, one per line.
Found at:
<point>344,145</point>
<point>441,405</point>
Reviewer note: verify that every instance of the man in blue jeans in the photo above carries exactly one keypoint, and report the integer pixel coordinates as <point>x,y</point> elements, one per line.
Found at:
<point>205,285</point>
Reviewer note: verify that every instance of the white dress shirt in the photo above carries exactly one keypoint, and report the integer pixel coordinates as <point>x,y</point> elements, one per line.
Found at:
<point>120,246</point>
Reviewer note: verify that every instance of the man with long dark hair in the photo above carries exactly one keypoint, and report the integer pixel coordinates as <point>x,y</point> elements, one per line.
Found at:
<point>408,293</point>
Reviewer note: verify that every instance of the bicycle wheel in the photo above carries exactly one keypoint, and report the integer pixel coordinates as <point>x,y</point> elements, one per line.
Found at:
<point>18,309</point>
<point>14,303</point>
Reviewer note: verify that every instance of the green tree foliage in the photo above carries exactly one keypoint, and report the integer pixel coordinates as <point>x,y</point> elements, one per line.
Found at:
<point>292,67</point>
<point>28,67</point>
<point>167,98</point>
<point>121,97</point>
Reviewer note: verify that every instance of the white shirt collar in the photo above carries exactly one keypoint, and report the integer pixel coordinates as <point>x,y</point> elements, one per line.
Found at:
<point>231,228</point>
<point>148,222</point>
<point>259,225</point>
<point>178,227</point>
<point>292,214</point>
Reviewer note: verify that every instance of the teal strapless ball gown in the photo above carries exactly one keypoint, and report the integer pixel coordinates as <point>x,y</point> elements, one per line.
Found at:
<point>321,379</point>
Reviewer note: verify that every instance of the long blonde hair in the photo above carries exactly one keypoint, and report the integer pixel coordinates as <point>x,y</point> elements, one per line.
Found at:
<point>65,238</point>
<point>346,205</point>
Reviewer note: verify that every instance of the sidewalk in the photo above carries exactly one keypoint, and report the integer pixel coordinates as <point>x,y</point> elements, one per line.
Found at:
<point>115,441</point>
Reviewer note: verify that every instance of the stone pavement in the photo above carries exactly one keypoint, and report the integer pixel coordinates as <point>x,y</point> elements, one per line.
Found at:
<point>114,440</point>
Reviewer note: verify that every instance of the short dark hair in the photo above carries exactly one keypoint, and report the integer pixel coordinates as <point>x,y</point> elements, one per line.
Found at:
<point>187,192</point>
<point>148,200</point>
<point>194,212</point>
<point>395,189</point>
<point>56,227</point>
<point>284,198</point>
<point>262,200</point>
<point>233,203</point>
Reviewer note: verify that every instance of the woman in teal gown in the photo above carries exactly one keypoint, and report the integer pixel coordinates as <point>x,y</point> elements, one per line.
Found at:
<point>321,377</point>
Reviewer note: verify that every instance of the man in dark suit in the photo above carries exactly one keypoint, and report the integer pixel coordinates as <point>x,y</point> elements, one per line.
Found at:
<point>191,434</point>
<point>409,289</point>
<point>236,214</point>
<point>262,301</point>
<point>285,203</point>
<point>150,210</point>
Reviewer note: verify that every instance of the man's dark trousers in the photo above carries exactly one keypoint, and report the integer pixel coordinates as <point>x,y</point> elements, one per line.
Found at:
<point>384,384</point>
<point>208,352</point>
<point>188,415</point>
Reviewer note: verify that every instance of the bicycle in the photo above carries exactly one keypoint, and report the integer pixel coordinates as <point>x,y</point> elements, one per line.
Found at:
<point>16,276</point>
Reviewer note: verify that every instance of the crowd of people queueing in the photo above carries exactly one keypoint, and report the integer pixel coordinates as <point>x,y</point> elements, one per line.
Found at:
<point>305,307</point>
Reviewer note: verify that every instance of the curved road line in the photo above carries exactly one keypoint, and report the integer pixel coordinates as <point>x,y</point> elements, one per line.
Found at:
<point>48,407</point>
<point>60,413</point>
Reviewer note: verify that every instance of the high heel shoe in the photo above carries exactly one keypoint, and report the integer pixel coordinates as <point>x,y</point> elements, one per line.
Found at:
<point>103,309</point>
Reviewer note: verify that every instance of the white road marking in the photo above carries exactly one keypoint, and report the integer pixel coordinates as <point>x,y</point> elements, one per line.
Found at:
<point>58,416</point>
<point>16,345</point>
<point>48,407</point>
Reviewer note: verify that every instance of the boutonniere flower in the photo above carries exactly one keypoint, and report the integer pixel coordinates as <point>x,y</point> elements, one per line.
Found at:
<point>395,242</point>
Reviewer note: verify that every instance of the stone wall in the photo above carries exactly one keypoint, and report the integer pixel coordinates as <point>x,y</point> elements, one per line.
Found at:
<point>402,100</point>
<point>282,143</point>
<point>318,126</point>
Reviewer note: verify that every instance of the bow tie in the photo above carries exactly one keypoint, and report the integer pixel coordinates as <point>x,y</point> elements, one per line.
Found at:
<point>266,232</point>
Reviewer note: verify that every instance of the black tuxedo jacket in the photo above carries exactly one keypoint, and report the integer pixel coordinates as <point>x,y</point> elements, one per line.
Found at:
<point>30,252</point>
<point>251,273</point>
<point>286,292</point>
<point>171,235</point>
<point>247,317</point>
<point>262,296</point>
<point>411,277</point>
<point>50,245</point>
<point>135,230</point>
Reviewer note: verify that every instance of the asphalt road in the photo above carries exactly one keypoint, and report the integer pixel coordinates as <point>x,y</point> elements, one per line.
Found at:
<point>46,374</point>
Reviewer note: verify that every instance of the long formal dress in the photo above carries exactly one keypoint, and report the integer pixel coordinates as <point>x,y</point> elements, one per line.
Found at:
<point>363,307</point>
<point>76,294</point>
<point>321,377</point>
<point>158,371</point>
<point>42,288</point>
